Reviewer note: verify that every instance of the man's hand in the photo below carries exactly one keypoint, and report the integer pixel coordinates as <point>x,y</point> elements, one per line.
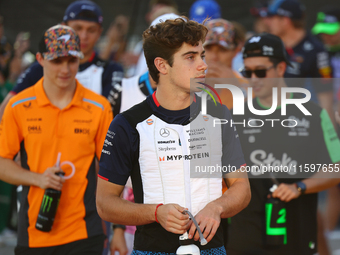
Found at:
<point>286,192</point>
<point>118,242</point>
<point>218,70</point>
<point>208,219</point>
<point>49,179</point>
<point>337,117</point>
<point>172,219</point>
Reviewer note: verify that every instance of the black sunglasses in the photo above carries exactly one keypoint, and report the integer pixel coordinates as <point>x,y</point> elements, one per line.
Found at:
<point>259,73</point>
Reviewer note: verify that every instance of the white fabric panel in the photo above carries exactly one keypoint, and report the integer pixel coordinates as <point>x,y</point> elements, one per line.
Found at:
<point>168,178</point>
<point>91,78</point>
<point>131,93</point>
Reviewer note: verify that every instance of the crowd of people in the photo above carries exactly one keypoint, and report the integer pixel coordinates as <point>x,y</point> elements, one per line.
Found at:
<point>118,132</point>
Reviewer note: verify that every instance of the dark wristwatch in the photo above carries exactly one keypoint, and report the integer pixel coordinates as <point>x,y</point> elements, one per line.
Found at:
<point>114,226</point>
<point>301,187</point>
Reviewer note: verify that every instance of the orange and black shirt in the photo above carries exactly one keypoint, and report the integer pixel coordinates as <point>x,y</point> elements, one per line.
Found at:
<point>40,131</point>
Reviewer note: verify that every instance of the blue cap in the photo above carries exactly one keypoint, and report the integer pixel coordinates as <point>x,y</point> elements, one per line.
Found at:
<point>292,9</point>
<point>83,10</point>
<point>202,9</point>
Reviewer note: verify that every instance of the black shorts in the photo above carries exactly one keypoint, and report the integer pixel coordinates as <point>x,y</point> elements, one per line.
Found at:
<point>90,246</point>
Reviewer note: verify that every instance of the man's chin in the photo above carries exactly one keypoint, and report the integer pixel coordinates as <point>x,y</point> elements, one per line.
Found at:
<point>199,80</point>
<point>195,89</point>
<point>197,84</point>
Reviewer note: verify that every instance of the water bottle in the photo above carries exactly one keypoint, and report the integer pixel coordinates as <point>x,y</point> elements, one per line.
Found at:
<point>276,228</point>
<point>187,245</point>
<point>48,208</point>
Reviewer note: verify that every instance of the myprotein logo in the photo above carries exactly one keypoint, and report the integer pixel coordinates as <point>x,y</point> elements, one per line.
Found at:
<point>238,100</point>
<point>185,157</point>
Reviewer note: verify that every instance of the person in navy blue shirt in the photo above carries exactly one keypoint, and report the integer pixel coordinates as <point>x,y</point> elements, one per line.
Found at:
<point>156,141</point>
<point>308,58</point>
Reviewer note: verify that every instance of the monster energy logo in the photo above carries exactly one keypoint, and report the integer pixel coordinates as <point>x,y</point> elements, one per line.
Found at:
<point>282,219</point>
<point>46,203</point>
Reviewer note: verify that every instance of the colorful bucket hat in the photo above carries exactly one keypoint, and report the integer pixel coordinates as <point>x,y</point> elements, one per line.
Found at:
<point>220,32</point>
<point>60,41</point>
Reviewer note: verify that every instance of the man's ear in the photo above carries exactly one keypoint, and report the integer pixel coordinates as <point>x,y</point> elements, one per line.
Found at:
<point>40,59</point>
<point>161,65</point>
<point>281,68</point>
<point>286,21</point>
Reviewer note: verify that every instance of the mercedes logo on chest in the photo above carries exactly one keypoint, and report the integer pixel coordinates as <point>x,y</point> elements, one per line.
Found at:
<point>164,132</point>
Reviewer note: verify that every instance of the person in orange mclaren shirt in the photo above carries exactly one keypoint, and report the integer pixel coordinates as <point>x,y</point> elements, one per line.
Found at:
<point>55,120</point>
<point>223,41</point>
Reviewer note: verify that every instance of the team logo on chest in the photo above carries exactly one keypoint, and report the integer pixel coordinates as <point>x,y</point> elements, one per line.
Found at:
<point>164,132</point>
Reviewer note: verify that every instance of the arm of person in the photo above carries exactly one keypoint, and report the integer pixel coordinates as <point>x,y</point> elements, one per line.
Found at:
<point>235,199</point>
<point>328,145</point>
<point>28,78</point>
<point>326,102</point>
<point>216,72</point>
<point>116,161</point>
<point>14,174</point>
<point>337,117</point>
<point>115,35</point>
<point>111,207</point>
<point>10,139</point>
<point>322,82</point>
<point>118,242</point>
<point>4,103</point>
<point>318,182</point>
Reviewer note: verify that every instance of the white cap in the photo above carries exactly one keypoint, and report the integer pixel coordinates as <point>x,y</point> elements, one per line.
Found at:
<point>163,18</point>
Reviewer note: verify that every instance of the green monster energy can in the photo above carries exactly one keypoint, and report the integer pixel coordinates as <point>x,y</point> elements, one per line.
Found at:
<point>48,210</point>
<point>276,229</point>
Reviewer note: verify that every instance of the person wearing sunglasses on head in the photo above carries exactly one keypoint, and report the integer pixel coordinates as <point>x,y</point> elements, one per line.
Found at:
<point>266,142</point>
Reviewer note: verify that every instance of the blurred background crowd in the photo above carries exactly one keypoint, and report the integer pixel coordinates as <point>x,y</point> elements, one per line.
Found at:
<point>22,24</point>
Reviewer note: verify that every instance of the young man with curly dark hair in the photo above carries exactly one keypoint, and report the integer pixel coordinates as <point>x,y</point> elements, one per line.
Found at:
<point>155,142</point>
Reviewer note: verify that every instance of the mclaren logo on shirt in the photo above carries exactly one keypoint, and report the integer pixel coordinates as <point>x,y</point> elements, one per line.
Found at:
<point>82,121</point>
<point>34,119</point>
<point>185,157</point>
